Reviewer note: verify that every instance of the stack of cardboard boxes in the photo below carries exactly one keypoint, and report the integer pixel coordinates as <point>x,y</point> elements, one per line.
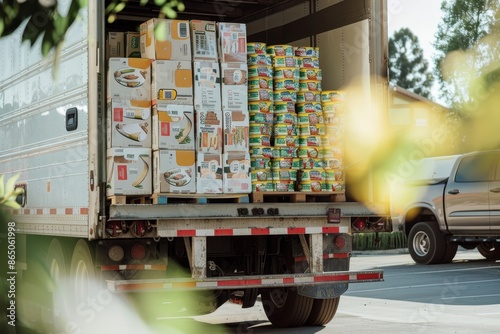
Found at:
<point>129,127</point>
<point>167,44</point>
<point>185,102</point>
<point>234,74</point>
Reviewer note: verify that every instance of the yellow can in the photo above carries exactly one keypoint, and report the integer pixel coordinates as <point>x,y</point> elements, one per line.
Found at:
<point>286,73</point>
<point>280,50</point>
<point>332,96</point>
<point>310,186</point>
<point>284,186</point>
<point>310,74</point>
<point>261,175</point>
<point>310,85</point>
<point>262,186</point>
<point>260,94</point>
<point>260,82</point>
<point>286,141</point>
<point>261,106</point>
<point>256,48</point>
<point>308,96</point>
<point>284,107</point>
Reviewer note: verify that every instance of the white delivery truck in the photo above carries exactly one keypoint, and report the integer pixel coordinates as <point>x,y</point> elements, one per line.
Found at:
<point>54,135</point>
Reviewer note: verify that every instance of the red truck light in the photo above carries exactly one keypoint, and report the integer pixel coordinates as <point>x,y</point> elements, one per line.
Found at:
<point>340,242</point>
<point>359,224</point>
<point>138,252</point>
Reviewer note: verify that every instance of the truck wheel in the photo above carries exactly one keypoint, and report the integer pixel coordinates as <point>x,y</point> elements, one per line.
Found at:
<point>284,307</point>
<point>82,272</point>
<point>57,261</point>
<point>490,250</point>
<point>426,244</point>
<point>449,254</point>
<point>323,311</point>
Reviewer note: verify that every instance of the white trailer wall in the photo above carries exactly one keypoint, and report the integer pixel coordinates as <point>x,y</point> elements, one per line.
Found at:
<point>53,162</point>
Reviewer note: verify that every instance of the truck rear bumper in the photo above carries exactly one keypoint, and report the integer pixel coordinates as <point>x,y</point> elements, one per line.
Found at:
<point>245,282</point>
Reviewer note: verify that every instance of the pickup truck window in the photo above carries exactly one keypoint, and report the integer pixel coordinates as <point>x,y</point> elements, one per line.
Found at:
<point>475,168</point>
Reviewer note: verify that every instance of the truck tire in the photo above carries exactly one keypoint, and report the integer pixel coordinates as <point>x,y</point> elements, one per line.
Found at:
<point>323,311</point>
<point>426,244</point>
<point>82,272</point>
<point>57,261</point>
<point>451,251</point>
<point>490,250</point>
<point>284,307</point>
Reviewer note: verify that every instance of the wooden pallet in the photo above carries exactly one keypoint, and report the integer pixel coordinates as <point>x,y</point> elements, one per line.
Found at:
<point>297,196</point>
<point>130,199</point>
<point>167,198</point>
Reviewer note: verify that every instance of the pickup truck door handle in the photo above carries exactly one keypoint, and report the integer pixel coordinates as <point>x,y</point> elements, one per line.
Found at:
<point>453,191</point>
<point>495,190</point>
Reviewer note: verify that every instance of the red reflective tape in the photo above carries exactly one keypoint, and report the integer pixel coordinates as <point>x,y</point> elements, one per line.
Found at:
<point>288,280</point>
<point>331,278</point>
<point>186,233</point>
<point>84,211</point>
<point>244,282</point>
<point>260,231</point>
<point>296,230</point>
<point>331,229</point>
<point>336,256</point>
<point>26,211</point>
<point>369,276</point>
<point>68,211</point>
<point>53,211</point>
<point>39,211</point>
<point>300,259</point>
<point>223,231</point>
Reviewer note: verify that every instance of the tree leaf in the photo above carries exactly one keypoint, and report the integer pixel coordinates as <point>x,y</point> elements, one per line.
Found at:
<point>9,188</point>
<point>1,186</point>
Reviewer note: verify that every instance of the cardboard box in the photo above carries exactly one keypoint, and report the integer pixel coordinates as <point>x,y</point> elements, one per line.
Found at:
<point>208,173</point>
<point>132,45</point>
<point>172,81</point>
<point>207,93</point>
<point>129,123</point>
<point>234,78</point>
<point>204,40</point>
<point>115,45</point>
<point>209,131</point>
<point>129,171</point>
<point>232,42</point>
<point>236,173</point>
<point>174,171</point>
<point>236,126</point>
<point>129,79</point>
<point>165,39</point>
<point>173,127</point>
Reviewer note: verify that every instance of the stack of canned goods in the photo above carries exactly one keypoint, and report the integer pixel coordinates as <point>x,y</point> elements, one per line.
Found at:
<point>260,105</point>
<point>333,102</point>
<point>285,162</point>
<point>296,140</point>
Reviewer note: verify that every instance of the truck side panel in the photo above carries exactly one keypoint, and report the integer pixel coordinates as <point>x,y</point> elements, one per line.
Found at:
<point>52,160</point>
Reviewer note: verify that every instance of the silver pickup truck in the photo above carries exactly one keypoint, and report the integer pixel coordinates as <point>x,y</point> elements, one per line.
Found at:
<point>455,203</point>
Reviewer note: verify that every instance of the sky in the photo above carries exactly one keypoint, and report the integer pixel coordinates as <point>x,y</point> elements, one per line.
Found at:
<point>420,16</point>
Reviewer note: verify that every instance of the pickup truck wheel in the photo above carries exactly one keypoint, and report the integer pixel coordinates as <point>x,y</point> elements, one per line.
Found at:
<point>323,311</point>
<point>426,244</point>
<point>284,307</point>
<point>451,251</point>
<point>490,250</point>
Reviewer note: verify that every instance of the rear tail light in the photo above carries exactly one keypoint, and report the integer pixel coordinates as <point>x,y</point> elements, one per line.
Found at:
<point>340,242</point>
<point>359,224</point>
<point>116,253</point>
<point>138,252</point>
<point>378,225</point>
